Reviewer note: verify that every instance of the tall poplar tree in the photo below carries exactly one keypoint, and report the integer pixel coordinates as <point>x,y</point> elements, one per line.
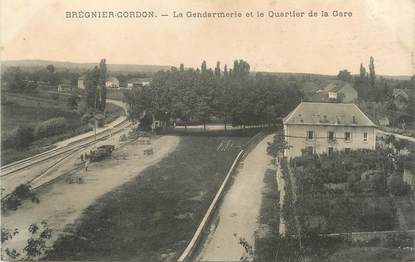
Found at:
<point>362,72</point>
<point>372,75</point>
<point>102,78</point>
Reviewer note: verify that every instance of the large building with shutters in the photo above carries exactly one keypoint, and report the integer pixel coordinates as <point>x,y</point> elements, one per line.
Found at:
<point>327,127</point>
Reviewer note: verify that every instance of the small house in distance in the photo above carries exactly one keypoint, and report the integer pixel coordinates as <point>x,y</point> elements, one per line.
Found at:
<point>337,92</point>
<point>98,120</point>
<point>384,121</point>
<point>112,82</point>
<point>327,127</point>
<point>138,82</point>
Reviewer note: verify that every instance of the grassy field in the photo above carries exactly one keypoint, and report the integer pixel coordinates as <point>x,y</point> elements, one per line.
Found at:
<point>14,115</point>
<point>29,110</point>
<point>153,217</point>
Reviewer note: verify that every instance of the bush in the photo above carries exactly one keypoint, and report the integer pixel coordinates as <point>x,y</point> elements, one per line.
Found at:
<point>10,203</point>
<point>86,117</point>
<point>19,138</point>
<point>398,187</point>
<point>51,127</point>
<point>401,240</point>
<point>23,191</point>
<point>15,199</point>
<point>54,96</point>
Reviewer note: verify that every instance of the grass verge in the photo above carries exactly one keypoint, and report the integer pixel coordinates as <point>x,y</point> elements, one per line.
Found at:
<point>154,216</point>
<point>266,241</point>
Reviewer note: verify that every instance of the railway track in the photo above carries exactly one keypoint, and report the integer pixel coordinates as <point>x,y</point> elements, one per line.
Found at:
<point>56,155</point>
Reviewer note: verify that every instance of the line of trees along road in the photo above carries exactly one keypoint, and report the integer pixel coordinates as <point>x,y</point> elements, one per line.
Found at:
<point>232,96</point>
<point>96,91</point>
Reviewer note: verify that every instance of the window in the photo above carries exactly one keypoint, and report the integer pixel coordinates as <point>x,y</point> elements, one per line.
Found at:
<point>330,150</point>
<point>331,136</point>
<point>310,135</point>
<point>347,136</point>
<point>365,136</point>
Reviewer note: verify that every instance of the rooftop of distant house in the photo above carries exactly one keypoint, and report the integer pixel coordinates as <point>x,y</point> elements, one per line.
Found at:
<point>338,114</point>
<point>112,79</point>
<point>336,87</point>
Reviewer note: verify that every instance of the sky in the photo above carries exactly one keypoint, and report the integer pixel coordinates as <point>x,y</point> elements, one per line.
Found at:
<point>384,29</point>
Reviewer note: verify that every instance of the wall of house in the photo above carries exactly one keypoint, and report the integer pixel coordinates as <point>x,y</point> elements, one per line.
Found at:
<point>296,135</point>
<point>81,84</point>
<point>350,96</point>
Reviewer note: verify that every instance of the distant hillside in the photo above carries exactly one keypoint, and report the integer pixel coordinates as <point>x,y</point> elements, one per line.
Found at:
<point>31,65</point>
<point>401,78</point>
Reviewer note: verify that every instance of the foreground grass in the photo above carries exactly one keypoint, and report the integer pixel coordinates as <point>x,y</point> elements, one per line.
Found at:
<point>154,216</point>
<point>266,240</point>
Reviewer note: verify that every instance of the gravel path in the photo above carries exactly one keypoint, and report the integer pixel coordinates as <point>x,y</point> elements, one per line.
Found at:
<point>238,214</point>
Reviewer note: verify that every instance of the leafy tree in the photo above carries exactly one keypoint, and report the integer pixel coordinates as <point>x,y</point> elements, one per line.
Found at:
<point>15,79</point>
<point>22,136</point>
<point>102,87</point>
<point>411,101</point>
<point>96,91</point>
<point>344,75</point>
<point>372,74</point>
<point>91,87</point>
<point>362,74</point>
<point>398,187</point>
<point>50,69</point>
<point>278,146</point>
<point>217,70</point>
<point>400,144</point>
<point>199,95</point>
<point>73,101</point>
<point>51,75</point>
<point>36,245</point>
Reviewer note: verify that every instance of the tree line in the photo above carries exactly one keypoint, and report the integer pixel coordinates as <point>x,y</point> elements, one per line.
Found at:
<point>96,90</point>
<point>229,95</point>
<point>18,80</point>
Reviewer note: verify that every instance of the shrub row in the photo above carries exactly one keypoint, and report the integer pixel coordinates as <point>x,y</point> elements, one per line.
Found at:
<point>24,135</point>
<point>53,126</point>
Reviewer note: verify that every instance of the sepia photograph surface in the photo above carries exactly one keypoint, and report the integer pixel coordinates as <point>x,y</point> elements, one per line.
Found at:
<point>191,130</point>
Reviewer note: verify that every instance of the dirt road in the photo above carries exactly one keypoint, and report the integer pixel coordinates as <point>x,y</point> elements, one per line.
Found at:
<point>239,211</point>
<point>62,203</point>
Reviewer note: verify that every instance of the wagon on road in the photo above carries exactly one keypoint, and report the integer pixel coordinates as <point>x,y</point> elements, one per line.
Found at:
<point>102,152</point>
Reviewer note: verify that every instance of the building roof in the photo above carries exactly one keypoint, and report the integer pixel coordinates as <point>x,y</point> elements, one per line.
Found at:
<point>112,79</point>
<point>329,87</point>
<point>82,77</point>
<point>99,116</point>
<point>338,114</point>
<point>345,88</point>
